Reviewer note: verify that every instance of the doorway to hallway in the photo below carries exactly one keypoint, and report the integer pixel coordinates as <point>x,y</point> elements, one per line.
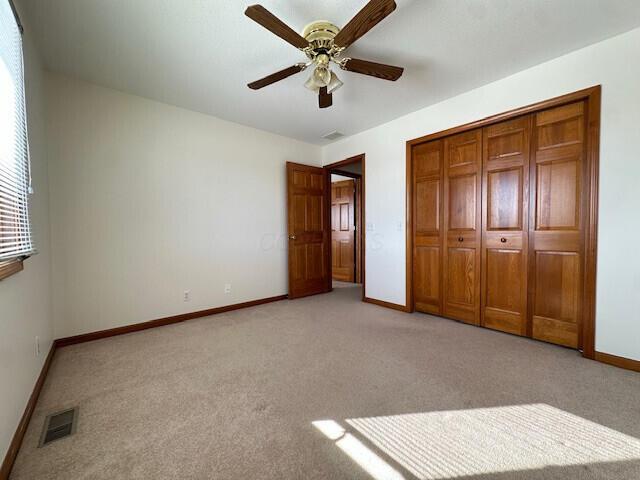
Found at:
<point>347,219</point>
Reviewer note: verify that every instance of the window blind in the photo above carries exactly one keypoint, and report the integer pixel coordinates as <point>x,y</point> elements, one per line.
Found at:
<point>15,229</point>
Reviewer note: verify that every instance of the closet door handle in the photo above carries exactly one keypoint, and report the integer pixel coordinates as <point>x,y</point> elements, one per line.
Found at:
<point>460,239</point>
<point>503,240</point>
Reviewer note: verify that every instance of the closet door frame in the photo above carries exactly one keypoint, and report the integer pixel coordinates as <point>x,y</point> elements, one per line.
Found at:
<point>592,97</point>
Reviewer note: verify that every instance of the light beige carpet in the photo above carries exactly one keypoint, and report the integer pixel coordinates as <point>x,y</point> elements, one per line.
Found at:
<point>329,388</point>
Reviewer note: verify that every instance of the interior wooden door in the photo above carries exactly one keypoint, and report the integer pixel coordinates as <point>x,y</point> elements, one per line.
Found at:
<point>557,222</point>
<point>505,220</point>
<point>343,231</point>
<point>308,240</point>
<point>427,165</point>
<point>462,223</point>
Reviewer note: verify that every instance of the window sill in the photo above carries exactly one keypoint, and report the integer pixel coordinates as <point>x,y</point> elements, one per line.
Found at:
<point>9,268</point>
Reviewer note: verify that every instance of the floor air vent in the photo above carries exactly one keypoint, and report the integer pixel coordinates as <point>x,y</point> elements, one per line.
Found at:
<point>59,425</point>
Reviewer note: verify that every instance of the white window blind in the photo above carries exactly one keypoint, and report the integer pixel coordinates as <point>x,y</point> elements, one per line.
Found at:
<point>15,229</point>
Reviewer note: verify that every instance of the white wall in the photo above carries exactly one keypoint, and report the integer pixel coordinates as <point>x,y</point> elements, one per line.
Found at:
<point>25,298</point>
<point>150,200</point>
<point>615,64</point>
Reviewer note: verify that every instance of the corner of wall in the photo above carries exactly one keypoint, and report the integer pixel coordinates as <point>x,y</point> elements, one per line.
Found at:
<point>26,296</point>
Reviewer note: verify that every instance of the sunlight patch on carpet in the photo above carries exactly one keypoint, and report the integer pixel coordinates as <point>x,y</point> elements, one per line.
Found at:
<point>450,444</point>
<point>359,452</point>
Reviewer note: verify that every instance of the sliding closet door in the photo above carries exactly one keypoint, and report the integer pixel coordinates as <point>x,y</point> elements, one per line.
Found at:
<point>427,231</point>
<point>462,215</point>
<point>556,238</point>
<point>505,212</point>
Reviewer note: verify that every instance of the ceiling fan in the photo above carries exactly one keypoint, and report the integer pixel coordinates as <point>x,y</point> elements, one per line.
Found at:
<point>323,44</point>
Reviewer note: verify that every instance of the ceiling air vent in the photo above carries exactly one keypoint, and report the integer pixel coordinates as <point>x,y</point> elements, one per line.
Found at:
<point>333,135</point>
<point>59,425</point>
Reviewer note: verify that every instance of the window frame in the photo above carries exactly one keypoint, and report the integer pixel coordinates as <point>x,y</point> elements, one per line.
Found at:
<point>12,266</point>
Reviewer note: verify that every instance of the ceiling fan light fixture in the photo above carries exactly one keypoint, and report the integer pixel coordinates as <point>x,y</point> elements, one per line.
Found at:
<point>320,77</point>
<point>334,84</point>
<point>311,84</point>
<point>323,76</point>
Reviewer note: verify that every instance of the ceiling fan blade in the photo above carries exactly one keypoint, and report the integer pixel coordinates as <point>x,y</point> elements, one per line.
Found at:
<point>325,99</point>
<point>268,20</point>
<point>373,13</point>
<point>378,70</point>
<point>276,77</point>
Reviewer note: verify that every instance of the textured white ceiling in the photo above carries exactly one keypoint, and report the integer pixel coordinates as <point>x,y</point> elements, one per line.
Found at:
<point>200,54</point>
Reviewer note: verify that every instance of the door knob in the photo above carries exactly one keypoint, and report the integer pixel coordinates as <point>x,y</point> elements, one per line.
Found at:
<point>460,239</point>
<point>292,237</point>
<point>503,240</point>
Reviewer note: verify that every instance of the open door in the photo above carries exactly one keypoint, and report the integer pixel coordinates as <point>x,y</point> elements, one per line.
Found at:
<point>343,229</point>
<point>308,237</point>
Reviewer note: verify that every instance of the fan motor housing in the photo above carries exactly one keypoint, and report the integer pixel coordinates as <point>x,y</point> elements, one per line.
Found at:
<point>320,34</point>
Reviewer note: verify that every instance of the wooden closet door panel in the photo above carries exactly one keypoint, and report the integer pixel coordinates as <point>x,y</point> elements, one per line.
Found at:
<point>427,279</point>
<point>462,225</point>
<point>505,208</point>
<point>427,164</point>
<point>556,232</point>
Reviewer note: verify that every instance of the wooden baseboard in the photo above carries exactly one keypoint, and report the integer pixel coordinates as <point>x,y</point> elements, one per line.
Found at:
<point>616,361</point>
<point>382,303</point>
<point>18,436</point>
<point>136,327</point>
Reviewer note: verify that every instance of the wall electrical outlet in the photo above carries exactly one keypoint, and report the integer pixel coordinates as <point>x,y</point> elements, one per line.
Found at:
<point>187,295</point>
<point>37,346</point>
<point>227,288</point>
